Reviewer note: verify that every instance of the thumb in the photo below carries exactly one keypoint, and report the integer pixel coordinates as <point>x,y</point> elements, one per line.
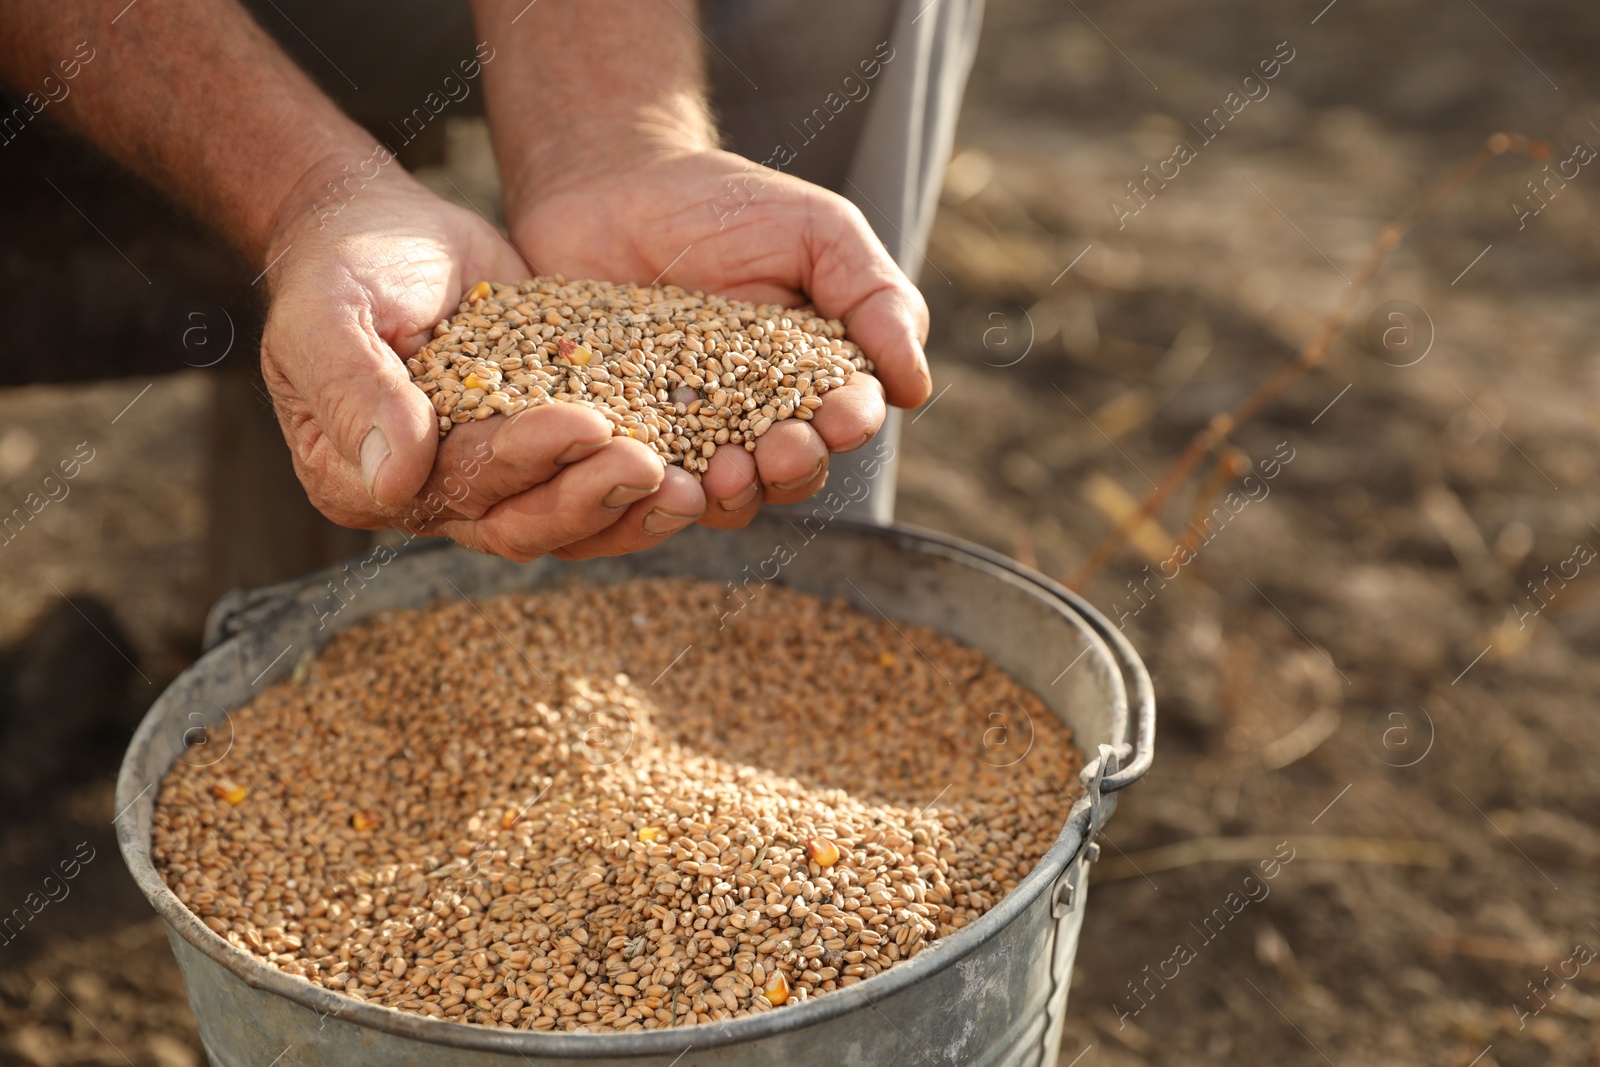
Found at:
<point>357,389</point>
<point>889,324</point>
<point>855,280</point>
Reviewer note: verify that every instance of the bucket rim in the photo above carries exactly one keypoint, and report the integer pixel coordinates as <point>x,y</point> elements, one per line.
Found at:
<point>1109,646</point>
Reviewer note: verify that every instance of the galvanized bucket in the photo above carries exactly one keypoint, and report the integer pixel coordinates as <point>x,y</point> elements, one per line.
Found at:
<point>991,994</point>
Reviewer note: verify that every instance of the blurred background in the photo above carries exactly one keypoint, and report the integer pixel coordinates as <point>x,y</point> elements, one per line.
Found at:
<point>1384,659</point>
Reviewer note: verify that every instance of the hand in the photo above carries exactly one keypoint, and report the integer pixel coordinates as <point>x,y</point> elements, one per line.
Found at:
<point>710,220</point>
<point>363,286</point>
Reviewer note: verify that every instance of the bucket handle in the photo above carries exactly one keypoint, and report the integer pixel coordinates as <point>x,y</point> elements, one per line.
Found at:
<point>241,609</point>
<point>1143,745</point>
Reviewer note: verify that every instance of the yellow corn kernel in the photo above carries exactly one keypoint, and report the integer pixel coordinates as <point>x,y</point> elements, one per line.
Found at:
<point>777,989</point>
<point>361,822</point>
<point>822,851</point>
<point>649,834</point>
<point>508,820</point>
<point>229,790</point>
<point>573,352</point>
<point>478,292</point>
<point>887,659</point>
<point>472,381</point>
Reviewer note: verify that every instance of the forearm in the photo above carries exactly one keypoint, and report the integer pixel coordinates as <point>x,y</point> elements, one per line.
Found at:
<point>191,95</point>
<point>585,86</point>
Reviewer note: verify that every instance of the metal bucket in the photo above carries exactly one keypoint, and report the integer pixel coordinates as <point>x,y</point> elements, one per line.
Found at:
<point>990,995</point>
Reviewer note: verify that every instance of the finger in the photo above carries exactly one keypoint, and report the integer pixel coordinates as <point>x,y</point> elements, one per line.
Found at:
<point>675,505</point>
<point>320,336</point>
<point>584,499</point>
<point>332,483</point>
<point>486,461</point>
<point>733,489</point>
<point>850,414</point>
<point>890,325</point>
<point>855,280</point>
<point>792,462</point>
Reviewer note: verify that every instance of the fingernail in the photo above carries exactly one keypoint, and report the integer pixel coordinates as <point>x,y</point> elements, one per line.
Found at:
<point>374,450</point>
<point>852,446</point>
<point>743,499</point>
<point>660,522</point>
<point>623,495</point>
<point>578,451</point>
<point>807,480</point>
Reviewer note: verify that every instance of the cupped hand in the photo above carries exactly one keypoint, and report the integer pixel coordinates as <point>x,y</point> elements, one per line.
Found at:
<point>360,285</point>
<point>714,221</point>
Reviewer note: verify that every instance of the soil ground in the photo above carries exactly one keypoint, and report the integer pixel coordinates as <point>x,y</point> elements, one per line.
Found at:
<point>1351,669</point>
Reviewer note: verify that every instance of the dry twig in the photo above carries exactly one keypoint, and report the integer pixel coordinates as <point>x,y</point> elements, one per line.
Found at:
<point>1311,354</point>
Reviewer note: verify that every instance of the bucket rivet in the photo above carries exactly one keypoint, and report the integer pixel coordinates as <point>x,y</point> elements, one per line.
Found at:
<point>1064,895</point>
